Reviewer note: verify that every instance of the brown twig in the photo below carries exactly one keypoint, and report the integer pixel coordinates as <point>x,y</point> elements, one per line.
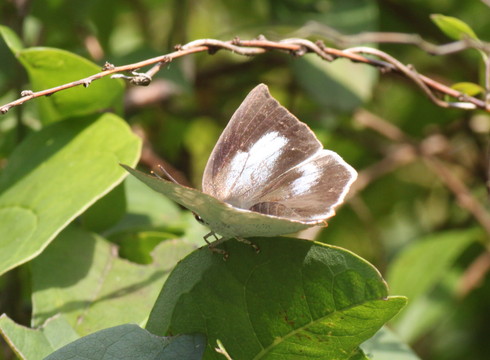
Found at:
<point>296,47</point>
<point>460,190</point>
<point>342,40</point>
<point>475,274</point>
<point>408,150</point>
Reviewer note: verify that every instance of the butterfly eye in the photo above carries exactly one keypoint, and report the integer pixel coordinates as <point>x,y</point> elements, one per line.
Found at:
<point>199,219</point>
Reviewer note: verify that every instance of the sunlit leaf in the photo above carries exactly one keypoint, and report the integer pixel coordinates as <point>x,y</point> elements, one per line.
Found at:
<point>34,344</point>
<point>13,42</point>
<point>453,27</point>
<point>54,175</point>
<point>49,68</point>
<point>468,88</point>
<point>294,298</point>
<point>94,288</point>
<point>423,263</point>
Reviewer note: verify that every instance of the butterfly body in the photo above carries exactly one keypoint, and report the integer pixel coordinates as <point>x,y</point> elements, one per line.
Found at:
<point>268,175</point>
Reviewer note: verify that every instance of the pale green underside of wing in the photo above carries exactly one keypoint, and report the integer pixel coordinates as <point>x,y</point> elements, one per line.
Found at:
<point>222,218</point>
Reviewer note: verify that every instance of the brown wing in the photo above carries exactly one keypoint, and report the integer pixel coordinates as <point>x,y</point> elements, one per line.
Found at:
<point>264,154</point>
<point>310,191</point>
<point>262,141</point>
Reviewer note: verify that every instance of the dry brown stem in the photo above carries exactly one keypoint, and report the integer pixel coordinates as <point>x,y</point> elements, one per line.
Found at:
<point>294,46</point>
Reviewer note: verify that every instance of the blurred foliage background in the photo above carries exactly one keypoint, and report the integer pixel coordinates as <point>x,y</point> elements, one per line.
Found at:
<point>404,216</point>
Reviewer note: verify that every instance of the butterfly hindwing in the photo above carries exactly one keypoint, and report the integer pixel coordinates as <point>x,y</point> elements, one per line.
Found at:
<point>309,191</point>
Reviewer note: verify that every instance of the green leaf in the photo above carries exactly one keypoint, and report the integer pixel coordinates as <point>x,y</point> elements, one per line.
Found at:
<point>137,247</point>
<point>295,298</point>
<point>426,312</point>
<point>33,344</point>
<point>208,133</point>
<point>421,265</point>
<point>385,345</point>
<point>453,27</point>
<point>54,175</point>
<point>146,210</point>
<point>48,68</point>
<point>106,212</point>
<point>339,86</point>
<point>131,342</point>
<point>13,42</point>
<point>468,88</point>
<point>80,276</point>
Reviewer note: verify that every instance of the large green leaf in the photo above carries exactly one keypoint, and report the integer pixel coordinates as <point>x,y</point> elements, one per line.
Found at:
<point>146,210</point>
<point>107,211</point>
<point>427,311</point>
<point>338,86</point>
<point>80,276</point>
<point>35,344</point>
<point>294,299</point>
<point>131,342</point>
<point>421,265</point>
<point>419,272</point>
<point>48,68</point>
<point>54,175</point>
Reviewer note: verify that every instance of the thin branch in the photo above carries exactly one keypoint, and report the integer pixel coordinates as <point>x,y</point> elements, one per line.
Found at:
<point>474,274</point>
<point>342,40</point>
<point>460,190</point>
<point>419,80</point>
<point>294,46</point>
<point>409,150</point>
<point>487,81</point>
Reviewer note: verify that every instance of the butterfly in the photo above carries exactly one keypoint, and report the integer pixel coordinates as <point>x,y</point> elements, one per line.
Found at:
<point>267,175</point>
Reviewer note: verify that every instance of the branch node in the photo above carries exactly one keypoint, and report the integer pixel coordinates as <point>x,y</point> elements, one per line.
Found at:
<point>302,50</point>
<point>4,109</point>
<point>178,47</point>
<point>108,66</point>
<point>212,49</point>
<point>86,83</point>
<point>140,79</point>
<point>321,45</point>
<point>136,78</point>
<point>26,93</point>
<point>236,41</point>
<point>384,69</point>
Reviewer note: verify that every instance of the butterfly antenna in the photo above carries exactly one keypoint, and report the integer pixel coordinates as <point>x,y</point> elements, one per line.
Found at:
<point>166,173</point>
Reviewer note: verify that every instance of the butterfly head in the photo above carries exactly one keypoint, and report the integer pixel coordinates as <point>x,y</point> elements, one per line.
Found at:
<point>199,219</point>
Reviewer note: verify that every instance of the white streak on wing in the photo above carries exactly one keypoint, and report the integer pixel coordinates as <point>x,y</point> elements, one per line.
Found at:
<point>309,177</point>
<point>235,168</point>
<point>253,167</point>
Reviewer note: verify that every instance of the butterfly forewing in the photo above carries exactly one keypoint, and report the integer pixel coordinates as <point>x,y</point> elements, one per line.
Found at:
<point>262,141</point>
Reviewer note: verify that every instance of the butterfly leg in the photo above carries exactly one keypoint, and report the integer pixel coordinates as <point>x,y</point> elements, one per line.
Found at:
<point>212,245</point>
<point>248,242</point>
